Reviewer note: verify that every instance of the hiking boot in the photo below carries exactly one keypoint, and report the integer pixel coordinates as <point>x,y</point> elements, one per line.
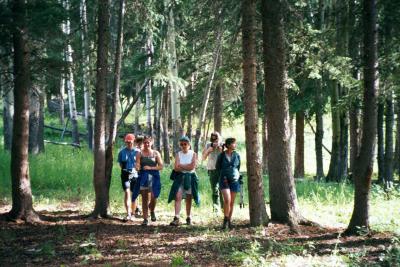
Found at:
<point>128,218</point>
<point>145,222</point>
<point>153,216</point>
<point>230,225</point>
<point>175,222</point>
<point>225,223</point>
<point>188,221</point>
<point>138,212</point>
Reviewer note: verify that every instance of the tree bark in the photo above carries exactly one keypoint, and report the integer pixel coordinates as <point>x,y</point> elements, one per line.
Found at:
<point>218,108</point>
<point>283,199</point>
<point>396,164</point>
<point>299,150</point>
<point>334,174</point>
<point>264,135</point>
<point>149,53</point>
<point>165,135</point>
<point>157,123</point>
<point>36,121</point>
<point>115,95</point>
<point>381,143</point>
<point>8,114</point>
<point>99,174</point>
<point>257,208</point>
<point>85,74</point>
<point>70,79</point>
<point>389,116</point>
<point>173,69</point>
<point>364,162</point>
<point>22,207</point>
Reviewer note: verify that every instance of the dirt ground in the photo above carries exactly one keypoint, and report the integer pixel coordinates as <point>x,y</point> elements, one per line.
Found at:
<point>68,238</point>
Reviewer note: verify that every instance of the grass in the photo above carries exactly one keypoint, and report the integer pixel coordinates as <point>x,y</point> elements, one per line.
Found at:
<point>64,174</point>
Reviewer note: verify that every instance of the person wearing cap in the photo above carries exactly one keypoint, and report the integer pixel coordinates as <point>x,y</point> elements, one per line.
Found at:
<point>185,185</point>
<point>127,162</point>
<point>211,152</point>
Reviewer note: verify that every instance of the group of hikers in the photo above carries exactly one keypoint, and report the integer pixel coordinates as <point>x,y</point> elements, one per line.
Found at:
<point>140,174</point>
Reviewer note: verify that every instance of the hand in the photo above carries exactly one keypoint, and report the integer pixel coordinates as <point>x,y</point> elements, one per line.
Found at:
<point>147,168</point>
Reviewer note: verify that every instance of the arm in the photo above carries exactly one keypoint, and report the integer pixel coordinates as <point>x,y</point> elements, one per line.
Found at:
<point>177,166</point>
<point>191,166</point>
<point>138,156</point>
<point>160,163</point>
<point>206,152</point>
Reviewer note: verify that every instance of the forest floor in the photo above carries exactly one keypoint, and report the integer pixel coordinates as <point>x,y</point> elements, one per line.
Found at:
<point>67,238</point>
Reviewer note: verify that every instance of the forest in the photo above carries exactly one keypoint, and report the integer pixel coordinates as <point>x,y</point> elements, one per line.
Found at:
<point>308,89</point>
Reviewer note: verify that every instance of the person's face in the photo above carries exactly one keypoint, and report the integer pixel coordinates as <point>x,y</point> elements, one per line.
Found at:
<point>147,143</point>
<point>232,146</point>
<point>129,144</point>
<point>184,146</point>
<point>214,138</point>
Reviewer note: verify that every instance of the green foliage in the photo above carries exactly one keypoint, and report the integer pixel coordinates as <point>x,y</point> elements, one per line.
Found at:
<point>178,260</point>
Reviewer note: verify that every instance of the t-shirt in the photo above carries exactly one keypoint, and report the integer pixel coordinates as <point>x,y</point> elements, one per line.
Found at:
<point>186,158</point>
<point>212,158</point>
<point>127,158</point>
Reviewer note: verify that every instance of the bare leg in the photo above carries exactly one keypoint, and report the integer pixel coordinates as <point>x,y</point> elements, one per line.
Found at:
<point>145,205</point>
<point>178,201</point>
<point>127,201</point>
<point>153,202</point>
<point>226,194</point>
<point>188,205</point>
<point>231,204</point>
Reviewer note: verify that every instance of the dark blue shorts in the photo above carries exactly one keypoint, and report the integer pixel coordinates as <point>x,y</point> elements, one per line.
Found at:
<point>234,186</point>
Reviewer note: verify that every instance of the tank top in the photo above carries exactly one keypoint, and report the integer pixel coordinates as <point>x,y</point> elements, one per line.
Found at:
<point>186,159</point>
<point>148,160</point>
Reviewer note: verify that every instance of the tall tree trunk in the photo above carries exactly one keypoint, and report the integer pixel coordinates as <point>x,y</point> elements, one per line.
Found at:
<point>190,113</point>
<point>354,108</point>
<point>149,52</point>
<point>99,171</point>
<point>115,95</point>
<point>299,150</point>
<point>70,80</point>
<point>36,124</point>
<point>165,135</point>
<point>319,133</point>
<point>218,108</point>
<point>264,135</point>
<point>137,110</point>
<point>8,114</point>
<point>173,69</point>
<point>381,142</point>
<point>364,162</point>
<point>22,207</point>
<point>334,165</point>
<point>206,96</point>
<point>319,110</point>
<point>62,100</point>
<point>283,198</point>
<point>396,164</point>
<point>389,140</point>
<point>85,76</point>
<point>157,123</point>
<point>258,212</point>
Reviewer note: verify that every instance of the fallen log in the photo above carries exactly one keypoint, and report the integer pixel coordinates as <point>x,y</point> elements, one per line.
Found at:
<point>63,143</point>
<point>62,130</point>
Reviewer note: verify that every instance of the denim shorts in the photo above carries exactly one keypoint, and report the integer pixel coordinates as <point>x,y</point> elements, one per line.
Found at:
<point>234,186</point>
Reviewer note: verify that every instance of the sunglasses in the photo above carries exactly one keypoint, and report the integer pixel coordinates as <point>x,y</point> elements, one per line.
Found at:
<point>183,144</point>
